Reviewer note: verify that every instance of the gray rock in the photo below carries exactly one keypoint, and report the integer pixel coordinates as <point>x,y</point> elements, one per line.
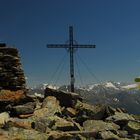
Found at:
<point>26,134</point>
<point>133,127</point>
<point>43,124</point>
<point>122,133</point>
<point>136,136</point>
<point>110,111</point>
<point>53,123</point>
<point>64,125</point>
<point>108,135</point>
<point>99,125</point>
<point>86,111</point>
<point>120,118</point>
<point>27,108</point>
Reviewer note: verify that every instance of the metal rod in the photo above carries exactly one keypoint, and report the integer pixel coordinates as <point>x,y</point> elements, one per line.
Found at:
<point>72,79</point>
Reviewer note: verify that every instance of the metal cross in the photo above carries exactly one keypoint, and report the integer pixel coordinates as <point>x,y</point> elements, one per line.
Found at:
<point>71,46</point>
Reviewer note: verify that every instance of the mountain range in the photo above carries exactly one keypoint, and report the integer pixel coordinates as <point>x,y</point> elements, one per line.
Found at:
<point>117,94</point>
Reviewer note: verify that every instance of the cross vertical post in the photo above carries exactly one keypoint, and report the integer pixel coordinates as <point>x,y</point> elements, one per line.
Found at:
<point>71,46</point>
<point>71,50</point>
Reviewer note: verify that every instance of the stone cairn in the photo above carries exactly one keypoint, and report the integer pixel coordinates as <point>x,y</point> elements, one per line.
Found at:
<point>12,80</point>
<point>11,73</point>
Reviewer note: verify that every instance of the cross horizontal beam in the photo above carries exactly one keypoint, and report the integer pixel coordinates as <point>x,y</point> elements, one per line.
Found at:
<point>69,46</point>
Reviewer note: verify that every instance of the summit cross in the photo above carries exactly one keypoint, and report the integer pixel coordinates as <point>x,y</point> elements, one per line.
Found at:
<point>71,46</point>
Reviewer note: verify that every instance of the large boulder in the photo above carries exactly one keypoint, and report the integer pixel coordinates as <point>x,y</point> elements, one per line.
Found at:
<point>64,125</point>
<point>99,125</point>
<point>67,99</point>
<point>133,127</point>
<point>24,109</point>
<point>86,111</point>
<point>122,133</point>
<point>54,123</point>
<point>52,104</point>
<point>120,118</point>
<point>110,111</point>
<point>43,112</point>
<point>50,107</point>
<point>43,124</point>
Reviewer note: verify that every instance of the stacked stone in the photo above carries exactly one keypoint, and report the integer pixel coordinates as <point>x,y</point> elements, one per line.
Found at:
<point>11,73</point>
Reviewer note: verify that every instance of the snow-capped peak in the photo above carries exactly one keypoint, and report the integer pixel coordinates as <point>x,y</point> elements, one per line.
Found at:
<point>90,87</point>
<point>43,86</point>
<point>52,87</point>
<point>110,85</point>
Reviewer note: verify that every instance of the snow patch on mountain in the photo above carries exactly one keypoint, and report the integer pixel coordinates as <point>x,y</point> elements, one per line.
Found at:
<point>133,86</point>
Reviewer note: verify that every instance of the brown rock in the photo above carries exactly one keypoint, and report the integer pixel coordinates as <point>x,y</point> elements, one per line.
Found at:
<point>50,107</point>
<point>50,102</point>
<point>11,96</point>
<point>18,124</point>
<point>69,112</point>
<point>25,116</point>
<point>66,99</point>
<point>42,112</point>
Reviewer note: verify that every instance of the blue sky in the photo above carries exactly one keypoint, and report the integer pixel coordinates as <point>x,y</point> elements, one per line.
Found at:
<point>113,25</point>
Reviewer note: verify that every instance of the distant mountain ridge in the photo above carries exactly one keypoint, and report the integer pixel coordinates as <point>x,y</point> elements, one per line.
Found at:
<point>117,94</point>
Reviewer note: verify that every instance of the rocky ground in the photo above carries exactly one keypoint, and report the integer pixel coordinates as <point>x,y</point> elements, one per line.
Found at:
<point>61,115</point>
